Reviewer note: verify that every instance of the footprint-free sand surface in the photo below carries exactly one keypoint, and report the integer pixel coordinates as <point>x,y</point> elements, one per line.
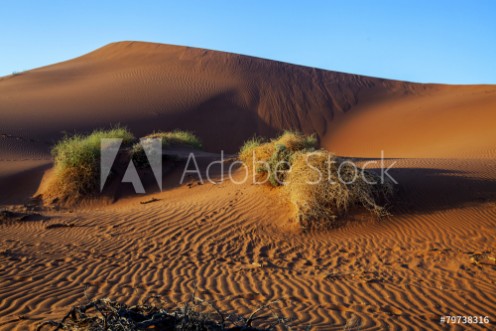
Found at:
<point>236,244</point>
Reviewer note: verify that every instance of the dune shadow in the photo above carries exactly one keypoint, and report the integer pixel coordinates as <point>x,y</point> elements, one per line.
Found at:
<point>10,217</point>
<point>20,187</point>
<point>176,171</point>
<point>426,190</point>
<point>420,190</point>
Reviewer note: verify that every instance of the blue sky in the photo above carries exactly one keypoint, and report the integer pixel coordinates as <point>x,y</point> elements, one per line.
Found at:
<point>424,41</point>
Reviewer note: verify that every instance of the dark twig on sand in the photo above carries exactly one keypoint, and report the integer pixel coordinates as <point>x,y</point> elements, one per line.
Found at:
<point>104,314</point>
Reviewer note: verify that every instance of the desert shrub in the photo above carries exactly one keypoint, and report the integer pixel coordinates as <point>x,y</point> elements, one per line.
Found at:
<point>196,315</point>
<point>177,137</point>
<point>138,155</point>
<point>278,165</point>
<point>169,139</point>
<point>295,141</point>
<point>269,160</point>
<point>320,185</point>
<point>250,145</point>
<point>323,187</point>
<point>77,160</point>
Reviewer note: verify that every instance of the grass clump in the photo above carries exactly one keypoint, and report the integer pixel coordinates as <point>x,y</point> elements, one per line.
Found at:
<point>77,161</point>
<point>169,139</point>
<point>250,145</point>
<point>295,141</point>
<point>277,165</point>
<point>177,137</point>
<point>271,160</point>
<point>321,186</point>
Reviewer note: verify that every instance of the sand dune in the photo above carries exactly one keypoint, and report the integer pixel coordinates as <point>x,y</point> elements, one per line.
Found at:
<point>236,244</point>
<point>446,121</point>
<point>148,86</point>
<point>228,242</point>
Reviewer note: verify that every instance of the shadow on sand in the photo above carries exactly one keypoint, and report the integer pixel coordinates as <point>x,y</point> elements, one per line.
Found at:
<point>426,190</point>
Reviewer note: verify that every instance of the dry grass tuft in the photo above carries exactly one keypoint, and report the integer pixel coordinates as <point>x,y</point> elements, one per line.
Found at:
<point>294,141</point>
<point>195,315</point>
<point>321,186</point>
<point>269,160</point>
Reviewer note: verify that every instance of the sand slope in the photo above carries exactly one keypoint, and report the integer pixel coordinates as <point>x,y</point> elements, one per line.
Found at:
<point>152,86</point>
<point>232,244</point>
<point>235,244</point>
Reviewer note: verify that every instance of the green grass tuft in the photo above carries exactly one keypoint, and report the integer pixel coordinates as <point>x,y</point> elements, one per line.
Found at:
<point>169,139</point>
<point>77,160</point>
<point>177,137</point>
<point>250,144</point>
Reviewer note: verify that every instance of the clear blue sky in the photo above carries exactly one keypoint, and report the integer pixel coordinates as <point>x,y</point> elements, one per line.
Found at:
<point>424,41</point>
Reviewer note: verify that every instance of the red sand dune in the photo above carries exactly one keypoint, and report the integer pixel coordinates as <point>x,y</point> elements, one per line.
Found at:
<point>233,243</point>
<point>218,95</point>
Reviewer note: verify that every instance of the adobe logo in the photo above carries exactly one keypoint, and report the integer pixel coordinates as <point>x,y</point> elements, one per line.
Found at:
<point>109,148</point>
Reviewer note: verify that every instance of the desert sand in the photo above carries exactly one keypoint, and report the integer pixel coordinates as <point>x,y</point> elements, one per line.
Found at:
<point>236,244</point>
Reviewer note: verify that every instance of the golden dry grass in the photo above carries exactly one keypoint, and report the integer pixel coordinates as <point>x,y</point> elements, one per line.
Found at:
<point>320,186</point>
<point>323,187</point>
<point>264,159</point>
